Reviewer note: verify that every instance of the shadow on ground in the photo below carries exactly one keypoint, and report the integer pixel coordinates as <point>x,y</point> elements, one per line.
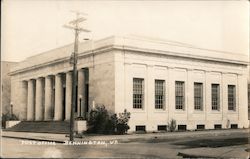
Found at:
<point>213,143</point>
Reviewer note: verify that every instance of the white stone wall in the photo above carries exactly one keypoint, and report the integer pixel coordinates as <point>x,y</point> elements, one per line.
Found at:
<point>19,106</point>
<point>5,87</point>
<point>101,81</point>
<point>129,65</point>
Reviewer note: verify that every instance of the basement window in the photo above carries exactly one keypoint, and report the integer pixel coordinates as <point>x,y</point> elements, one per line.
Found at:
<point>217,126</point>
<point>162,127</point>
<point>182,127</point>
<point>140,128</point>
<point>234,126</point>
<point>200,127</point>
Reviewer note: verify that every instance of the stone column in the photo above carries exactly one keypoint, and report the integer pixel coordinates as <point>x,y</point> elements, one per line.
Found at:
<point>48,98</point>
<point>39,100</point>
<point>81,93</point>
<point>30,101</point>
<point>68,95</point>
<point>24,93</point>
<point>58,98</point>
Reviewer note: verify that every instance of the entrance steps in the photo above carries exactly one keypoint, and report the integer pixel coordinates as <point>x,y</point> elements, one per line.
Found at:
<point>58,127</point>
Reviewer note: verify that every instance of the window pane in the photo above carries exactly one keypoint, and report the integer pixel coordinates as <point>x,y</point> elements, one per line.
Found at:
<point>138,92</point>
<point>231,97</point>
<point>159,94</point>
<point>179,95</point>
<point>215,96</point>
<point>198,96</point>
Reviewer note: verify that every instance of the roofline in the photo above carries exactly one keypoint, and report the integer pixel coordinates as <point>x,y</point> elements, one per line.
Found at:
<point>133,49</point>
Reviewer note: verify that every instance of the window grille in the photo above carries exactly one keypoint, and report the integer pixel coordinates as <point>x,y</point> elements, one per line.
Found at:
<point>138,93</point>
<point>159,94</point>
<point>231,97</point>
<point>198,96</point>
<point>179,95</point>
<point>215,97</point>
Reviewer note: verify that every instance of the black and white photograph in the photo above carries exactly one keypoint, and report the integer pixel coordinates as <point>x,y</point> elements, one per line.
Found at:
<point>125,79</point>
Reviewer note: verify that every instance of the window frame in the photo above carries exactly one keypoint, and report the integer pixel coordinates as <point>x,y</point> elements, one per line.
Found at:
<point>181,103</point>
<point>138,98</point>
<point>217,106</point>
<point>231,95</point>
<point>199,97</point>
<point>160,105</point>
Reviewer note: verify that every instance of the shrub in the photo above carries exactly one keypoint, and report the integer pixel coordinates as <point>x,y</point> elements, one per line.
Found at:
<point>103,122</point>
<point>99,121</point>
<point>172,125</point>
<point>122,122</point>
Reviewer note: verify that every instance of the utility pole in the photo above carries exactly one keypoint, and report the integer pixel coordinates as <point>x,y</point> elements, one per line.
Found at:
<point>74,25</point>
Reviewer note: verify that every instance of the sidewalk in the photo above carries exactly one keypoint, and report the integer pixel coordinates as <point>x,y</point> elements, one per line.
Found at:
<point>219,152</point>
<point>60,138</point>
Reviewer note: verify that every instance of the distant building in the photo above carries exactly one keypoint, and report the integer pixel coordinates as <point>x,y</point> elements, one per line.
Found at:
<point>155,80</point>
<point>5,86</point>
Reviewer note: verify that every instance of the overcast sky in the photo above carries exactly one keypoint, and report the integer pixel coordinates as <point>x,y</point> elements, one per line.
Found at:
<point>30,27</point>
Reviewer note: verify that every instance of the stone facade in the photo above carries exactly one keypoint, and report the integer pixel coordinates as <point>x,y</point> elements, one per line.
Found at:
<point>41,85</point>
<point>5,86</point>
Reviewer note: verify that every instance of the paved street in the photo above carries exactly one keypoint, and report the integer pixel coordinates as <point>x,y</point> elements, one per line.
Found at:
<point>14,148</point>
<point>227,146</point>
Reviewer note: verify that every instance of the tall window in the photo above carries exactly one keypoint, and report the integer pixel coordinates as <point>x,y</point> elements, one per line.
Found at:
<point>179,95</point>
<point>231,97</point>
<point>198,96</point>
<point>138,93</point>
<point>159,94</point>
<point>215,97</point>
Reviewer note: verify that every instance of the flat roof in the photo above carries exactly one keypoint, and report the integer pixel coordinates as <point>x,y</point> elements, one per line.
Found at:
<point>134,43</point>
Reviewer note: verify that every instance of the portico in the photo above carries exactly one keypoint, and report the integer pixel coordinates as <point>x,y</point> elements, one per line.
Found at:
<point>49,97</point>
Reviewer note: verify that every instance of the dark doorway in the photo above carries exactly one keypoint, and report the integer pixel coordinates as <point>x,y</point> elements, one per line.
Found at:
<point>64,103</point>
<point>87,98</point>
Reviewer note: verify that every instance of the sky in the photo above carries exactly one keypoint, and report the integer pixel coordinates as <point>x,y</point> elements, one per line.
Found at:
<point>30,27</point>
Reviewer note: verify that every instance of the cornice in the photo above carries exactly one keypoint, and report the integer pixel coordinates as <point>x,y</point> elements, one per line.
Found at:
<point>144,51</point>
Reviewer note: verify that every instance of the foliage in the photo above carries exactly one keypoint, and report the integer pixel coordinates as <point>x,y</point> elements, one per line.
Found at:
<point>103,122</point>
<point>99,120</point>
<point>172,125</point>
<point>8,117</point>
<point>122,122</point>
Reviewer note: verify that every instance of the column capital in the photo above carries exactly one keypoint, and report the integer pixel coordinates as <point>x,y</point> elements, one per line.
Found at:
<point>39,78</point>
<point>58,74</point>
<point>49,76</point>
<point>32,79</point>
